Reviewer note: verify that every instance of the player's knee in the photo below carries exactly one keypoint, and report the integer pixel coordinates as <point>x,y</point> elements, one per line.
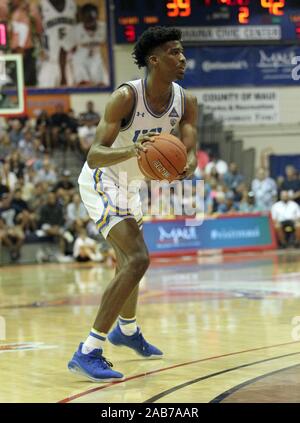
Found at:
<point>139,262</point>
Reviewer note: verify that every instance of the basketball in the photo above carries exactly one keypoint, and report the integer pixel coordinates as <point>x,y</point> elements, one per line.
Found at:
<point>165,158</point>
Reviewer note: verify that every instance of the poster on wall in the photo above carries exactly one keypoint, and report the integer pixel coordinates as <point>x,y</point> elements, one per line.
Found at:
<point>65,44</point>
<point>242,106</point>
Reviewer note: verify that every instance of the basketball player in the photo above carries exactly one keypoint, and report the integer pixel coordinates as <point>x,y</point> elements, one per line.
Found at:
<point>135,107</point>
<point>59,18</point>
<point>91,48</point>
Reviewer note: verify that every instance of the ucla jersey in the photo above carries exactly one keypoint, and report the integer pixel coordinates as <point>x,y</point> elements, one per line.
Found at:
<point>143,120</point>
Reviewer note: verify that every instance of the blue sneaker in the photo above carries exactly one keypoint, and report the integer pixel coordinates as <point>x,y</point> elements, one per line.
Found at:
<point>135,342</point>
<point>93,365</point>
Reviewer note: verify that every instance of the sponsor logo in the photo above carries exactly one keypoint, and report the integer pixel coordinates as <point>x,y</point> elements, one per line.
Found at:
<point>208,66</point>
<point>177,234</point>
<point>275,60</point>
<point>173,121</point>
<point>173,113</point>
<point>235,234</point>
<point>142,114</point>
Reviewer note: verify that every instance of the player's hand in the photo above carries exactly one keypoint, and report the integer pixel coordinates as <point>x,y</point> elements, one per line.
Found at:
<point>138,146</point>
<point>188,171</point>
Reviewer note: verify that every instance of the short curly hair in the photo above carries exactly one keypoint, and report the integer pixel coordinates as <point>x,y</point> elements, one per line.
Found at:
<point>151,38</point>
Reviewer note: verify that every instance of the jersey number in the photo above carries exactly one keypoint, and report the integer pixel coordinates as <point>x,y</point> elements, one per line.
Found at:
<point>145,131</point>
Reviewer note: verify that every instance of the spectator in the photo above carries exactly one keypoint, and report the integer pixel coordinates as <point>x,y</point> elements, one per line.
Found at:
<point>16,164</point>
<point>291,183</point>
<point>47,174</point>
<point>60,128</point>
<point>286,214</point>
<point>15,132</point>
<point>23,215</point>
<point>220,165</point>
<point>232,179</point>
<point>264,189</point>
<point>76,212</point>
<point>86,135</point>
<point>43,124</point>
<point>85,248</point>
<point>89,116</point>
<point>7,177</point>
<point>26,146</point>
<point>248,204</point>
<point>13,233</point>
<point>64,186</point>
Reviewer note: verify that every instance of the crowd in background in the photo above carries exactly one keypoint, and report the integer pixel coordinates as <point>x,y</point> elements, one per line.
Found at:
<point>39,200</point>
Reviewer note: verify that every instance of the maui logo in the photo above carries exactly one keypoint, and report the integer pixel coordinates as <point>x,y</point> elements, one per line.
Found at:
<point>177,234</point>
<point>275,60</point>
<point>139,132</point>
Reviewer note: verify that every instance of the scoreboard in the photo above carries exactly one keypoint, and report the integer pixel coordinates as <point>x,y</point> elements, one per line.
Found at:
<point>211,20</point>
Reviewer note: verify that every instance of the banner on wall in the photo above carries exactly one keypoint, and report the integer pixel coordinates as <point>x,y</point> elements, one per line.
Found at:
<point>65,43</point>
<point>242,106</point>
<point>242,232</point>
<point>240,66</point>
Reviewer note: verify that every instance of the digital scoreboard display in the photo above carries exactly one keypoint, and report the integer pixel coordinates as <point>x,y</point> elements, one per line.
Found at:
<point>211,20</point>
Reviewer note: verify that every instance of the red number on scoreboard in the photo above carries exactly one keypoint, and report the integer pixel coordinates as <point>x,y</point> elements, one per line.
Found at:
<point>129,32</point>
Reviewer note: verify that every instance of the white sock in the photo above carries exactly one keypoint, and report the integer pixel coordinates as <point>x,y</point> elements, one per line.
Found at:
<point>128,326</point>
<point>94,341</point>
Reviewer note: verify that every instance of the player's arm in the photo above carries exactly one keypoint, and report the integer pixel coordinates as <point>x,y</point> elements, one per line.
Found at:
<point>119,107</point>
<point>188,130</point>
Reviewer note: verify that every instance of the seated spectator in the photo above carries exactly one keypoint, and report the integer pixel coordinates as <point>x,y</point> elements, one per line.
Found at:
<point>220,165</point>
<point>46,174</point>
<point>89,116</point>
<point>42,127</point>
<point>61,128</point>
<point>264,189</point>
<point>85,248</point>
<point>232,179</point>
<point>76,212</point>
<point>86,135</point>
<point>23,216</point>
<point>225,203</point>
<point>26,146</point>
<point>11,234</point>
<point>248,204</point>
<point>7,177</point>
<point>15,132</point>
<point>16,163</point>
<point>291,183</point>
<point>6,148</point>
<point>286,213</point>
<point>64,187</point>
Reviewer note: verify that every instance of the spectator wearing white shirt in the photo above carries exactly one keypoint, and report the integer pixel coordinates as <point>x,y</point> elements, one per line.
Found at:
<point>76,212</point>
<point>85,248</point>
<point>264,189</point>
<point>86,137</point>
<point>286,214</point>
<point>215,163</point>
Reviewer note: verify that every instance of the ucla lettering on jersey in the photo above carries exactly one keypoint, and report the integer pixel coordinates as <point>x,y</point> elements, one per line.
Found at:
<point>143,120</point>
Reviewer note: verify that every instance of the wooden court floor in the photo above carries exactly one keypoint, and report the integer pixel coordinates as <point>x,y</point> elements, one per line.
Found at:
<point>228,327</point>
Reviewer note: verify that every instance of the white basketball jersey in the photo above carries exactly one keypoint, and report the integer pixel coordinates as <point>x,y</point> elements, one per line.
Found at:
<point>143,120</point>
<point>58,27</point>
<point>90,40</point>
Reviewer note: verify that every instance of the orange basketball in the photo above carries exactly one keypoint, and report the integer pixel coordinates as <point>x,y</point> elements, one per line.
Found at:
<point>165,158</point>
